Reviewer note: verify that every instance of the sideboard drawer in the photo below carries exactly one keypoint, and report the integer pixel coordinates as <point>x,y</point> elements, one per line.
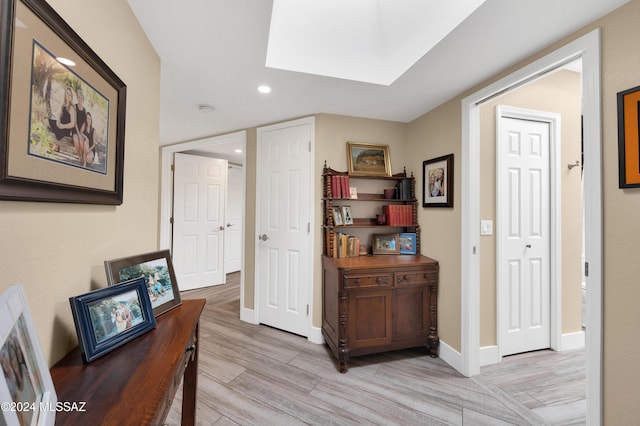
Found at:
<point>380,279</point>
<point>407,278</point>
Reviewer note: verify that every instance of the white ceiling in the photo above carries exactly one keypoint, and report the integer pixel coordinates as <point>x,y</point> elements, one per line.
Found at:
<point>213,52</point>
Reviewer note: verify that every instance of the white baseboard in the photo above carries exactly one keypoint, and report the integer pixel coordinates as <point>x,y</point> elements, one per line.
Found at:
<point>315,335</point>
<point>248,315</point>
<point>570,341</point>
<point>489,355</point>
<point>450,356</point>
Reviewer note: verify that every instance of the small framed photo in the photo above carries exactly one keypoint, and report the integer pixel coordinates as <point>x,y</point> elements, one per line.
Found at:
<point>337,216</point>
<point>108,318</point>
<point>385,244</point>
<point>407,241</point>
<point>347,218</point>
<point>26,381</point>
<point>157,270</point>
<point>437,182</point>
<point>368,160</point>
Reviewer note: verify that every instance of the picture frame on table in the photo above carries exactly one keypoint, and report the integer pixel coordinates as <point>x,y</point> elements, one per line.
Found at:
<point>385,244</point>
<point>62,112</point>
<point>25,385</point>
<point>160,277</point>
<point>368,159</point>
<point>407,242</point>
<point>629,138</point>
<point>437,182</point>
<point>109,317</point>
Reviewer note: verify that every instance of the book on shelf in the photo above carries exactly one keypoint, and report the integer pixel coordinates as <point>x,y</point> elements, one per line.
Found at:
<point>344,245</point>
<point>340,187</point>
<point>403,189</point>
<point>398,215</point>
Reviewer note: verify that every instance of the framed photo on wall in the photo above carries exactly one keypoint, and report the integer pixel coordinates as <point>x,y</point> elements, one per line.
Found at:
<point>437,182</point>
<point>629,138</point>
<point>62,111</point>
<point>25,381</point>
<point>157,270</point>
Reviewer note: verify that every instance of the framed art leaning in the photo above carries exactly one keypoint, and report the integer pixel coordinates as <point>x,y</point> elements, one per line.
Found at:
<point>62,111</point>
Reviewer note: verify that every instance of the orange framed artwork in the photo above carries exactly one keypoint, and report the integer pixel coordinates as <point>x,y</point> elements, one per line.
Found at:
<point>629,138</point>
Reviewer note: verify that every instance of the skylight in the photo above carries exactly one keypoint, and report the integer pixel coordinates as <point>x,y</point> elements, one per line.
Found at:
<point>373,41</point>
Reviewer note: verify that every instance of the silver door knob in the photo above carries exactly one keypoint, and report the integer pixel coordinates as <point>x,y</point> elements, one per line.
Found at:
<point>263,237</point>
<point>229,224</point>
<point>221,228</point>
<point>528,246</point>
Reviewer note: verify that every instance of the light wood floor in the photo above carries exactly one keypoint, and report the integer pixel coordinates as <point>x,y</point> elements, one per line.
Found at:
<point>256,375</point>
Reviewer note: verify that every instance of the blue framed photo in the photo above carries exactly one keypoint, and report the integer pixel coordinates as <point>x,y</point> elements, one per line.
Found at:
<point>110,317</point>
<point>407,242</point>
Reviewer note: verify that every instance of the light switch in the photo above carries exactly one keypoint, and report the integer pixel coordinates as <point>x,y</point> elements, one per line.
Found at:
<point>486,227</point>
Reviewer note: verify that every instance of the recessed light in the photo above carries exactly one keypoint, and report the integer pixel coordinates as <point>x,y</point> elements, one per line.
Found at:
<point>264,89</point>
<point>238,151</point>
<point>66,61</point>
<point>205,109</point>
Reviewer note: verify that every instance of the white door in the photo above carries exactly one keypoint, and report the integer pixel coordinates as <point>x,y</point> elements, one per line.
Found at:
<point>233,237</point>
<point>524,239</point>
<point>199,190</point>
<point>284,268</point>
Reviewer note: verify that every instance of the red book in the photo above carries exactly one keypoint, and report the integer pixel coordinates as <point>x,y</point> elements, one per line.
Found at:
<point>335,186</point>
<point>345,187</point>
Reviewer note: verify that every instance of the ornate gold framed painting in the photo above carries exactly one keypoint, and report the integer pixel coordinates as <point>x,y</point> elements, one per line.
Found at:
<point>368,160</point>
<point>62,111</point>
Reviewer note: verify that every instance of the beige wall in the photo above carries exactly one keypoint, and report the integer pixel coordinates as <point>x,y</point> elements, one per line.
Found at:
<point>57,250</point>
<point>559,93</point>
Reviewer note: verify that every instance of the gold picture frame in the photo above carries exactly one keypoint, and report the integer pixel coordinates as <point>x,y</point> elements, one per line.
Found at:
<point>368,160</point>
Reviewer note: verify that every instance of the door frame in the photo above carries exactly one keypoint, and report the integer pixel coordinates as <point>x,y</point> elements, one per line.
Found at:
<point>586,47</point>
<point>310,121</point>
<point>555,223</point>
<point>166,185</point>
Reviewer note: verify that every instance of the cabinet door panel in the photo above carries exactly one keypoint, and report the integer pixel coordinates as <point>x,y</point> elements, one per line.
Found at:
<point>369,318</point>
<point>410,313</point>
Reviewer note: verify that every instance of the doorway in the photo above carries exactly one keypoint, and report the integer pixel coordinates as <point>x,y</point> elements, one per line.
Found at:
<point>587,48</point>
<point>218,145</point>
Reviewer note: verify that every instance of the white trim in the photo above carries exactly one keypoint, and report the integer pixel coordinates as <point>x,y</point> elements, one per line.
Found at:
<point>572,341</point>
<point>555,226</point>
<point>302,121</point>
<point>315,335</point>
<point>587,47</point>
<point>450,355</point>
<point>489,355</point>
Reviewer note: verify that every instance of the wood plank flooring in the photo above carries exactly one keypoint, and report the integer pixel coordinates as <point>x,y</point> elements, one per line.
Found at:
<point>256,375</point>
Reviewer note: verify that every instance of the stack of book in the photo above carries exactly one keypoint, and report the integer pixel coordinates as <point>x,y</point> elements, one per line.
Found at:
<point>344,245</point>
<point>398,215</point>
<point>340,186</point>
<point>403,189</point>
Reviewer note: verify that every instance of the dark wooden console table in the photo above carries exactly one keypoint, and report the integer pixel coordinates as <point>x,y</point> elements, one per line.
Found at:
<point>136,383</point>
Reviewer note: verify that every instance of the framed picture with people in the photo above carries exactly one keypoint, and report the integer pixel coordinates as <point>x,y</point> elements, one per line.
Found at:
<point>109,317</point>
<point>62,111</point>
<point>437,182</point>
<point>160,277</point>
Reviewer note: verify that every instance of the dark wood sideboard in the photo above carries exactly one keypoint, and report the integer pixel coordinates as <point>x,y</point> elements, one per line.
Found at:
<point>136,383</point>
<point>379,303</point>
